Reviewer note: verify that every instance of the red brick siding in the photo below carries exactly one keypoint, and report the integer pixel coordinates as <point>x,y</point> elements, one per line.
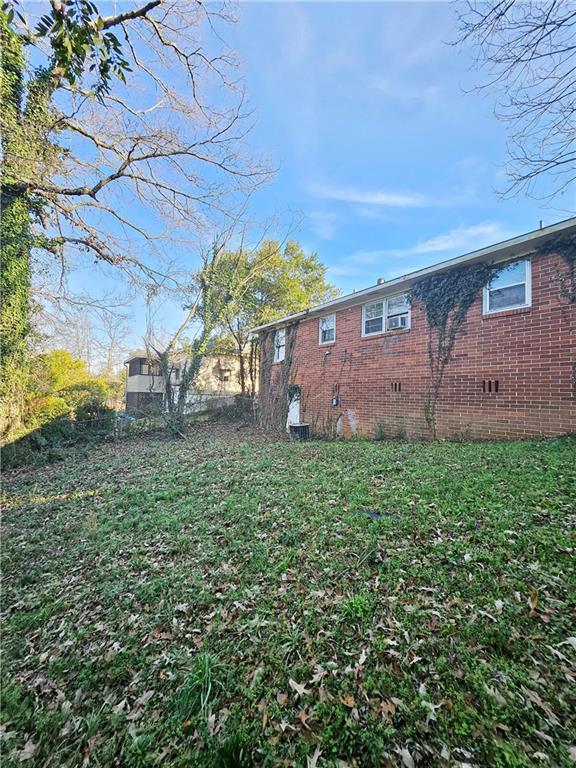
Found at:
<point>530,352</point>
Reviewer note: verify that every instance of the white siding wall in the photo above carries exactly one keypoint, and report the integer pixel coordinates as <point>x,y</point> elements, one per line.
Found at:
<point>142,383</point>
<point>208,380</point>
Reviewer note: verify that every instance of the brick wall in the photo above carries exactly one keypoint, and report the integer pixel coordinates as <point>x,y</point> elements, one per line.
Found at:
<point>382,381</point>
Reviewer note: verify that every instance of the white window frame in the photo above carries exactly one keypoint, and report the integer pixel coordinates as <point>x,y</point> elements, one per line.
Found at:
<point>527,293</point>
<point>408,313</point>
<point>374,333</point>
<point>280,349</point>
<point>384,303</point>
<point>325,317</point>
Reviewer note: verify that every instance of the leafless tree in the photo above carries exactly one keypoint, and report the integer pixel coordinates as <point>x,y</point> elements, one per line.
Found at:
<point>203,312</point>
<point>112,344</point>
<point>139,172</point>
<point>96,332</point>
<point>208,303</point>
<point>528,47</point>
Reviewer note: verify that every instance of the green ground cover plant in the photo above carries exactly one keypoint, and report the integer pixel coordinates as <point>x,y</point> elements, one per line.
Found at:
<point>220,601</point>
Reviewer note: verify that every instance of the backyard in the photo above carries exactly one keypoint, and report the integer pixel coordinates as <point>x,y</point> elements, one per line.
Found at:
<point>237,600</point>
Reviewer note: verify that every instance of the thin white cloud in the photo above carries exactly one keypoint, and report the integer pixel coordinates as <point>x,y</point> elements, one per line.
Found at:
<point>463,239</point>
<point>371,197</point>
<point>370,212</point>
<point>455,241</point>
<point>323,223</point>
<point>368,257</point>
<point>364,267</point>
<point>298,38</point>
<point>385,198</point>
<point>342,270</point>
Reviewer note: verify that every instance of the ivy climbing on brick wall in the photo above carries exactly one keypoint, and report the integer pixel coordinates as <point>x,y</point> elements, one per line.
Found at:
<point>446,298</point>
<point>565,247</point>
<point>276,380</point>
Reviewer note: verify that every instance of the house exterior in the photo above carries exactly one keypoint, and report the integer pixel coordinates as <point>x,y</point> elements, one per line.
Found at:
<point>363,363</point>
<point>217,380</point>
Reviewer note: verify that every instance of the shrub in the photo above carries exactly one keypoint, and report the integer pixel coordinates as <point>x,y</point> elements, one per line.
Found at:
<point>41,443</point>
<point>44,442</point>
<point>95,417</point>
<point>53,371</point>
<point>41,410</point>
<point>54,431</point>
<point>86,393</point>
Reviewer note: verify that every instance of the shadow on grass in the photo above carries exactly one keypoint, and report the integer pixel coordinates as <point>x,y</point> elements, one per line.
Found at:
<point>49,442</point>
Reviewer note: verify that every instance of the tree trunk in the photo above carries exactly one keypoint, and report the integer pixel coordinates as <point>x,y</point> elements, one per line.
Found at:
<point>253,365</point>
<point>16,241</point>
<point>242,372</point>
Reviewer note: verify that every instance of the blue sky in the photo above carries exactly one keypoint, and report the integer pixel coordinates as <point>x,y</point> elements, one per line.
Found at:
<point>392,163</point>
<point>384,156</point>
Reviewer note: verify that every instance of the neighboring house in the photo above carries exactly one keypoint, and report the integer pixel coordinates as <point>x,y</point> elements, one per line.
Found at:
<point>361,364</point>
<point>217,378</point>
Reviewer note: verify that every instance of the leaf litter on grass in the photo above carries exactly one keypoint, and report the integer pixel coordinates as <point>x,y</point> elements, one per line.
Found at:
<point>162,597</point>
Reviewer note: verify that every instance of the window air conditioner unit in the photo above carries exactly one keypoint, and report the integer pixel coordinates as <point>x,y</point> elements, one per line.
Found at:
<point>401,321</point>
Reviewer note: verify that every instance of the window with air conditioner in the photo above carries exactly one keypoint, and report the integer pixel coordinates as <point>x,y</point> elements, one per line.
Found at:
<point>397,312</point>
<point>389,314</point>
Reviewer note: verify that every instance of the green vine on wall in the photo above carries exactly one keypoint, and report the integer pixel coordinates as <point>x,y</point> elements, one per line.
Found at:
<point>25,113</point>
<point>446,298</point>
<point>565,247</point>
<point>16,238</point>
<point>276,380</point>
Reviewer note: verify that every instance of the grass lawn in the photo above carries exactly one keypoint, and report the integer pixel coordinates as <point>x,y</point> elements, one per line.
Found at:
<point>221,602</point>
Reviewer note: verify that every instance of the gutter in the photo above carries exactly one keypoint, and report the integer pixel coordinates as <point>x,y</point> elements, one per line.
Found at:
<point>507,249</point>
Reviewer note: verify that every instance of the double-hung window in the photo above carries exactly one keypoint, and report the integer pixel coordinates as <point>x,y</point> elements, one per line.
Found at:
<point>279,345</point>
<point>372,318</point>
<point>386,315</point>
<point>397,312</point>
<point>510,289</point>
<point>327,329</point>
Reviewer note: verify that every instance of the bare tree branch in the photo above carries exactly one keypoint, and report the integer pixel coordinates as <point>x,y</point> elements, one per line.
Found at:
<point>112,21</point>
<point>529,52</point>
<point>137,179</point>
